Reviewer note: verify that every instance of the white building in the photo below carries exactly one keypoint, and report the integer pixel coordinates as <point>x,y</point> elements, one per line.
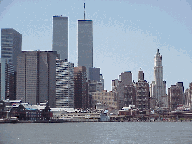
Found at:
<point>158,86</point>
<point>64,84</point>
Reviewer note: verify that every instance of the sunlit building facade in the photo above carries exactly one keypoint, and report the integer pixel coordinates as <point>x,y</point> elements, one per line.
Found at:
<point>11,42</point>
<point>64,84</point>
<point>60,36</point>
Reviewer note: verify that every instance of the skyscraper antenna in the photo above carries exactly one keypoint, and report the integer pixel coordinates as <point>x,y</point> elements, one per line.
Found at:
<point>84,11</point>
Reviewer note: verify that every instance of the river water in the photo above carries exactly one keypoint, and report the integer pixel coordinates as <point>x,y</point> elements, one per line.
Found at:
<point>97,133</point>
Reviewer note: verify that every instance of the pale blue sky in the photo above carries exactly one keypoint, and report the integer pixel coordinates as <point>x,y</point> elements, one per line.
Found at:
<point>126,34</point>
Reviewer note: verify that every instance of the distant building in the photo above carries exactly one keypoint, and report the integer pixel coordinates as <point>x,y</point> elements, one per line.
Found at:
<point>11,42</point>
<point>102,80</point>
<point>142,93</point>
<point>36,77</point>
<point>107,99</point>
<point>80,88</point>
<point>95,83</point>
<point>165,101</point>
<point>114,84</point>
<point>125,79</point>
<point>60,36</point>
<point>129,95</point>
<point>188,95</point>
<point>158,86</point>
<point>85,44</point>
<point>64,84</point>
<point>95,86</point>
<point>94,74</point>
<point>140,75</point>
<point>176,95</point>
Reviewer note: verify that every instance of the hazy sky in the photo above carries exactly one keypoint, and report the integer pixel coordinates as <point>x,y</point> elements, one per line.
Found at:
<point>126,34</point>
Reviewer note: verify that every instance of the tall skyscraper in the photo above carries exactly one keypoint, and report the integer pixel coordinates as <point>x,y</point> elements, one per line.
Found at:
<point>64,84</point>
<point>85,43</point>
<point>158,86</point>
<point>36,77</point>
<point>60,36</point>
<point>11,42</point>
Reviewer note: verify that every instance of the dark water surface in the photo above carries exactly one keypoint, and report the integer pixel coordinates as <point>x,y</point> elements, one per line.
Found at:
<point>97,133</point>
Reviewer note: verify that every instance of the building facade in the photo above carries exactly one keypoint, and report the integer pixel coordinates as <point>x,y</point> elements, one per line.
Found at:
<point>107,99</point>
<point>142,95</point>
<point>36,77</point>
<point>175,96</point>
<point>129,95</point>
<point>80,88</point>
<point>94,74</point>
<point>188,95</point>
<point>60,36</point>
<point>11,42</point>
<point>125,79</point>
<point>85,44</point>
<point>64,84</point>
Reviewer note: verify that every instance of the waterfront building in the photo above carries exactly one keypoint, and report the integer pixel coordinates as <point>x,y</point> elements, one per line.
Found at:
<point>36,77</point>
<point>175,95</point>
<point>11,42</point>
<point>80,88</point>
<point>64,84</point>
<point>60,36</point>
<point>158,86</point>
<point>188,95</point>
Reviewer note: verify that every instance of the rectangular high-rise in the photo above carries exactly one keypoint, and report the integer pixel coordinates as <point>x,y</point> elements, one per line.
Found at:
<point>85,44</point>
<point>36,77</point>
<point>80,88</point>
<point>60,36</point>
<point>94,74</point>
<point>64,84</point>
<point>11,41</point>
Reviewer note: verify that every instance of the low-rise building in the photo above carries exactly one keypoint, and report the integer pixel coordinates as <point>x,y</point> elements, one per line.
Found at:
<point>108,99</point>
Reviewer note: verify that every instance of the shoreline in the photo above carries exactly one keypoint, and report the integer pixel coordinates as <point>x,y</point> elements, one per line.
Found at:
<point>64,121</point>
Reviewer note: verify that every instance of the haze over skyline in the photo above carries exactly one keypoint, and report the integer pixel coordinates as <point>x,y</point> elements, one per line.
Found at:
<point>126,34</point>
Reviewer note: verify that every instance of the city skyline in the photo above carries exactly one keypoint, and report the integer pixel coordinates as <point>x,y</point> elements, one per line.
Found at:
<point>126,35</point>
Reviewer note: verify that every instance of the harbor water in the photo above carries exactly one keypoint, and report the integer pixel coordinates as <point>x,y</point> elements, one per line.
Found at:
<point>97,133</point>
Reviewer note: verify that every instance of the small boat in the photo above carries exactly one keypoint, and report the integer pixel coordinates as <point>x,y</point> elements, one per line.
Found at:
<point>13,120</point>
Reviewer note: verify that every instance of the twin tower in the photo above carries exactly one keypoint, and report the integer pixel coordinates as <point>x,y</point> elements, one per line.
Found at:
<point>85,40</point>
